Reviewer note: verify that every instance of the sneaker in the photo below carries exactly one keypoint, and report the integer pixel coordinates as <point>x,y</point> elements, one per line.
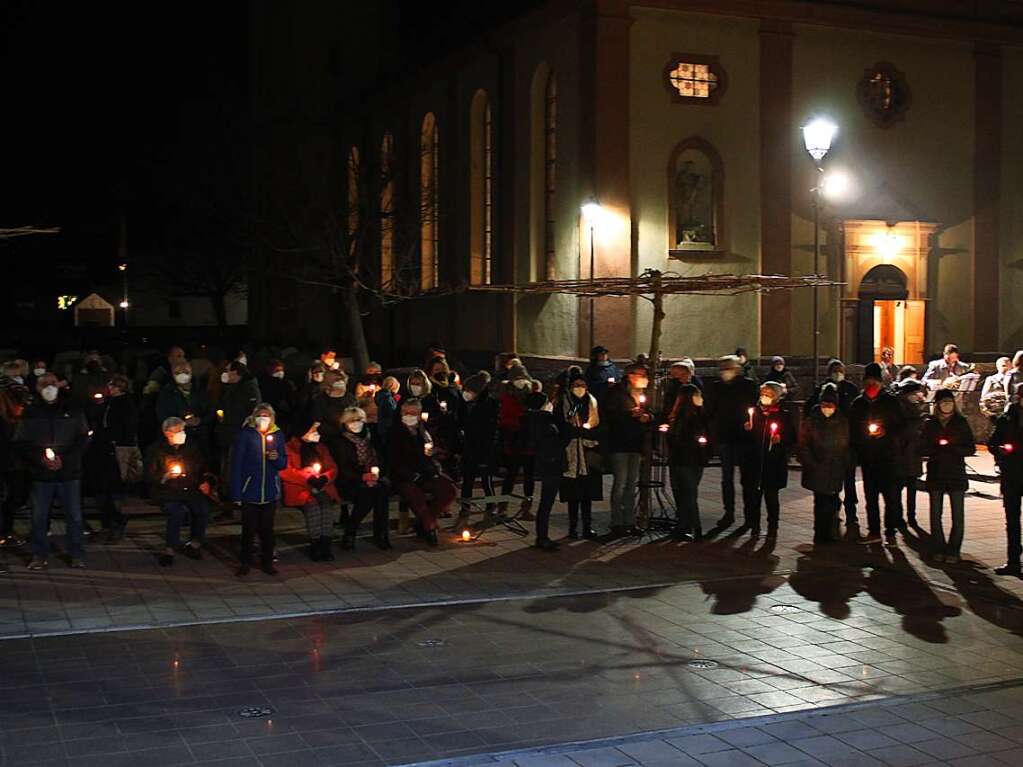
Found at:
<point>38,563</point>
<point>78,563</point>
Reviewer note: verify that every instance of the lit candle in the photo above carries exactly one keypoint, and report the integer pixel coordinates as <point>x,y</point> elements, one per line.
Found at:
<point>873,428</point>
<point>774,428</point>
<point>466,536</point>
<point>943,442</point>
<point>701,440</point>
<point>749,414</point>
<point>50,455</point>
<point>642,399</point>
<point>610,380</point>
<point>97,396</point>
<point>189,415</point>
<point>1008,447</point>
<point>444,407</point>
<point>220,415</point>
<point>375,471</point>
<point>663,427</point>
<point>316,468</point>
<point>175,469</point>
<point>586,425</point>
<point>425,416</point>
<point>269,439</point>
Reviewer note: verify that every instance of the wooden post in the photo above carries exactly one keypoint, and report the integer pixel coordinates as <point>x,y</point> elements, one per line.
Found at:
<point>646,464</point>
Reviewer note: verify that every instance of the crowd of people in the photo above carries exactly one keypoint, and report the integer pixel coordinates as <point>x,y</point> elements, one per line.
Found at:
<point>210,443</point>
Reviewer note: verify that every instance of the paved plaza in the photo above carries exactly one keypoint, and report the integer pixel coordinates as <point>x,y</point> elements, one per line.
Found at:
<point>732,652</point>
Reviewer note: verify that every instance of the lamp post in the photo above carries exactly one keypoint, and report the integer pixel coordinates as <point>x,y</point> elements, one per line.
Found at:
<point>123,269</point>
<point>591,212</point>
<point>817,137</point>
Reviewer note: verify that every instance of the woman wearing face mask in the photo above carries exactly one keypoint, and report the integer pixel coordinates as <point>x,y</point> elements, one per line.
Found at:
<point>360,480</point>
<point>257,458</point>
<point>689,449</point>
<point>308,484</point>
<point>445,406</point>
<point>945,441</point>
<point>909,467</point>
<point>238,395</point>
<point>279,392</point>
<point>773,438</point>
<point>780,373</point>
<point>516,451</point>
<point>824,456</point>
<point>114,424</point>
<point>333,399</point>
<point>479,432</point>
<point>582,481</point>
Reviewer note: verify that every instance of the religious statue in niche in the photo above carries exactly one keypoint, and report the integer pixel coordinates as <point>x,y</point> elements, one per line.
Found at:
<point>884,94</point>
<point>694,202</point>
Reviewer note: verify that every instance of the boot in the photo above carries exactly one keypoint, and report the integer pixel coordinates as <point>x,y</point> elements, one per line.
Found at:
<point>314,549</point>
<point>326,549</point>
<point>525,511</point>
<point>348,541</point>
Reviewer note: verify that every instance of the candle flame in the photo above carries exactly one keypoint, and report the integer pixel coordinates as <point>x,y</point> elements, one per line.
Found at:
<point>942,441</point>
<point>97,395</point>
<point>702,440</point>
<point>872,428</point>
<point>375,471</point>
<point>663,427</point>
<point>466,536</point>
<point>425,416</point>
<point>50,455</point>
<point>176,469</point>
<point>774,428</point>
<point>1007,448</point>
<point>316,468</point>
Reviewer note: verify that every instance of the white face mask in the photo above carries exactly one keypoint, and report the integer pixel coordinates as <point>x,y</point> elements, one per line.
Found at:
<point>19,379</point>
<point>946,406</point>
<point>827,412</point>
<point>225,377</point>
<point>50,393</point>
<point>579,391</point>
<point>278,374</point>
<point>355,426</point>
<point>416,389</point>
<point>728,375</point>
<point>335,365</point>
<point>410,420</point>
<point>520,383</point>
<point>318,377</point>
<point>243,359</point>
<point>178,437</point>
<point>183,378</point>
<point>262,422</point>
<point>38,371</point>
<point>548,407</point>
<point>312,437</point>
<point>838,377</point>
<point>468,396</point>
<point>766,400</point>
<point>697,400</point>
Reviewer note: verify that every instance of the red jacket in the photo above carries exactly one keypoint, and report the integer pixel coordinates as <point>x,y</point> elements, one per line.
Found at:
<point>295,478</point>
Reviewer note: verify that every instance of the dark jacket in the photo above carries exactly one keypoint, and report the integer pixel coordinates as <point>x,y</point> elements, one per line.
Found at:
<point>908,463</point>
<point>102,473</point>
<point>625,432</point>
<point>786,379</point>
<point>406,454</point>
<point>824,451</point>
<point>847,394</point>
<point>728,407</point>
<point>328,410</point>
<point>55,426</point>
<point>767,464</point>
<point>601,377</point>
<point>160,456</point>
<point>884,410</point>
<point>548,444</point>
<point>118,421</point>
<point>946,464</point>
<point>387,414</point>
<point>254,476</point>
<point>685,447</point>
<point>1006,445</point>
<point>349,470</point>
<point>237,401</point>
<point>175,401</point>
<point>279,393</point>
<point>445,407</point>
<point>479,429</point>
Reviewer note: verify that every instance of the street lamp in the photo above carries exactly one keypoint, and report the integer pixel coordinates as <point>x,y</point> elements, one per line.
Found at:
<point>592,211</point>
<point>123,269</point>
<point>817,137</point>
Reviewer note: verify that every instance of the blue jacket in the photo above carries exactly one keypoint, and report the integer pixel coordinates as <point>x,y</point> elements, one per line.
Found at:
<point>254,477</point>
<point>599,375</point>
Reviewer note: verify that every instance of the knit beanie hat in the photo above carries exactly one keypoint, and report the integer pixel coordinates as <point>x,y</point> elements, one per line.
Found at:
<point>943,394</point>
<point>477,382</point>
<point>829,393</point>
<point>873,370</point>
<point>777,388</point>
<point>518,372</point>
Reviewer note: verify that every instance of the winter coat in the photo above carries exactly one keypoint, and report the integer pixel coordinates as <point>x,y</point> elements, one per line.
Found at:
<point>237,401</point>
<point>883,410</point>
<point>328,410</point>
<point>479,429</point>
<point>279,393</point>
<point>254,475</point>
<point>296,475</point>
<point>824,451</point>
<point>160,456</point>
<point>102,472</point>
<point>547,443</point>
<point>349,469</point>
<point>908,463</point>
<point>847,394</point>
<point>511,420</point>
<point>625,433</point>
<point>173,401</point>
<point>728,407</point>
<point>1006,445</point>
<point>407,456</point>
<point>580,481</point>
<point>55,426</point>
<point>767,464</point>
<point>445,407</point>
<point>786,379</point>
<point>387,414</point>
<point>684,438</point>
<point>946,464</point>
<point>601,377</point>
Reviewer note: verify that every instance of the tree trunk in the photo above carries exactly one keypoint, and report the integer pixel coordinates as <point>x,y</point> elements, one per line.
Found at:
<point>646,465</point>
<point>219,310</point>
<point>356,331</point>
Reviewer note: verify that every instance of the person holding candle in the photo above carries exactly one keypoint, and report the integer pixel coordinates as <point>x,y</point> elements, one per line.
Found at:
<point>479,434</point>
<point>445,407</point>
<point>731,402</point>
<point>875,421</point>
<point>689,450</point>
<point>582,480</point>
<point>239,393</point>
<point>911,395</point>
<point>327,406</point>
<point>548,443</point>
<point>181,398</point>
<point>824,456</point>
<point>516,451</point>
<point>50,440</point>
<point>945,441</point>
<point>1006,445</point>
<point>308,484</point>
<point>278,392</point>
<point>768,461</point>
<point>602,373</point>
<point>114,425</point>
<point>415,473</point>
<point>359,481</point>
<point>175,474</point>
<point>628,421</point>
<point>258,457</point>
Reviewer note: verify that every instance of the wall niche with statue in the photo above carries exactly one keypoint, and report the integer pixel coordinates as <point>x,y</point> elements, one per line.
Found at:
<point>696,182</point>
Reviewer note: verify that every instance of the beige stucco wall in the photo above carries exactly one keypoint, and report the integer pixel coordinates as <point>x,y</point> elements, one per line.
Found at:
<point>696,325</point>
<point>926,159</point>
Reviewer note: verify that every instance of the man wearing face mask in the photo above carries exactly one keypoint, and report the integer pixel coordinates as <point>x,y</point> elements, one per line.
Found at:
<point>50,439</point>
<point>239,393</point>
<point>628,420</point>
<point>359,480</point>
<point>824,456</point>
<point>847,392</point>
<point>945,441</point>
<point>175,474</point>
<point>479,434</point>
<point>275,388</point>
<point>183,399</point>
<point>911,395</point>
<point>37,370</point>
<point>875,421</point>
<point>333,399</point>
<point>730,401</point>
<point>1006,445</point>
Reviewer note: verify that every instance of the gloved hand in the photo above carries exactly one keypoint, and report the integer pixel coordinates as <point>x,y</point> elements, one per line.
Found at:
<point>317,483</point>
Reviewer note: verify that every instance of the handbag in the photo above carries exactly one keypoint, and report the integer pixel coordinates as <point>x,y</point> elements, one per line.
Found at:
<point>129,463</point>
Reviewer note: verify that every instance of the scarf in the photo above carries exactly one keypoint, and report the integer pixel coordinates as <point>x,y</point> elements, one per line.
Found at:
<point>575,452</point>
<point>364,452</point>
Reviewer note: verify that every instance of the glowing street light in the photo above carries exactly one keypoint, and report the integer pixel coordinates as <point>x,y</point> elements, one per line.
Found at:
<point>817,137</point>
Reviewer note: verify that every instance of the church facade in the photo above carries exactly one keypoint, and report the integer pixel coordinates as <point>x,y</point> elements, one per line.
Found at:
<point>610,137</point>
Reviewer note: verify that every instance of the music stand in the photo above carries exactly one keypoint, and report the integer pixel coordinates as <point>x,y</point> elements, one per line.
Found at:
<point>665,518</point>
